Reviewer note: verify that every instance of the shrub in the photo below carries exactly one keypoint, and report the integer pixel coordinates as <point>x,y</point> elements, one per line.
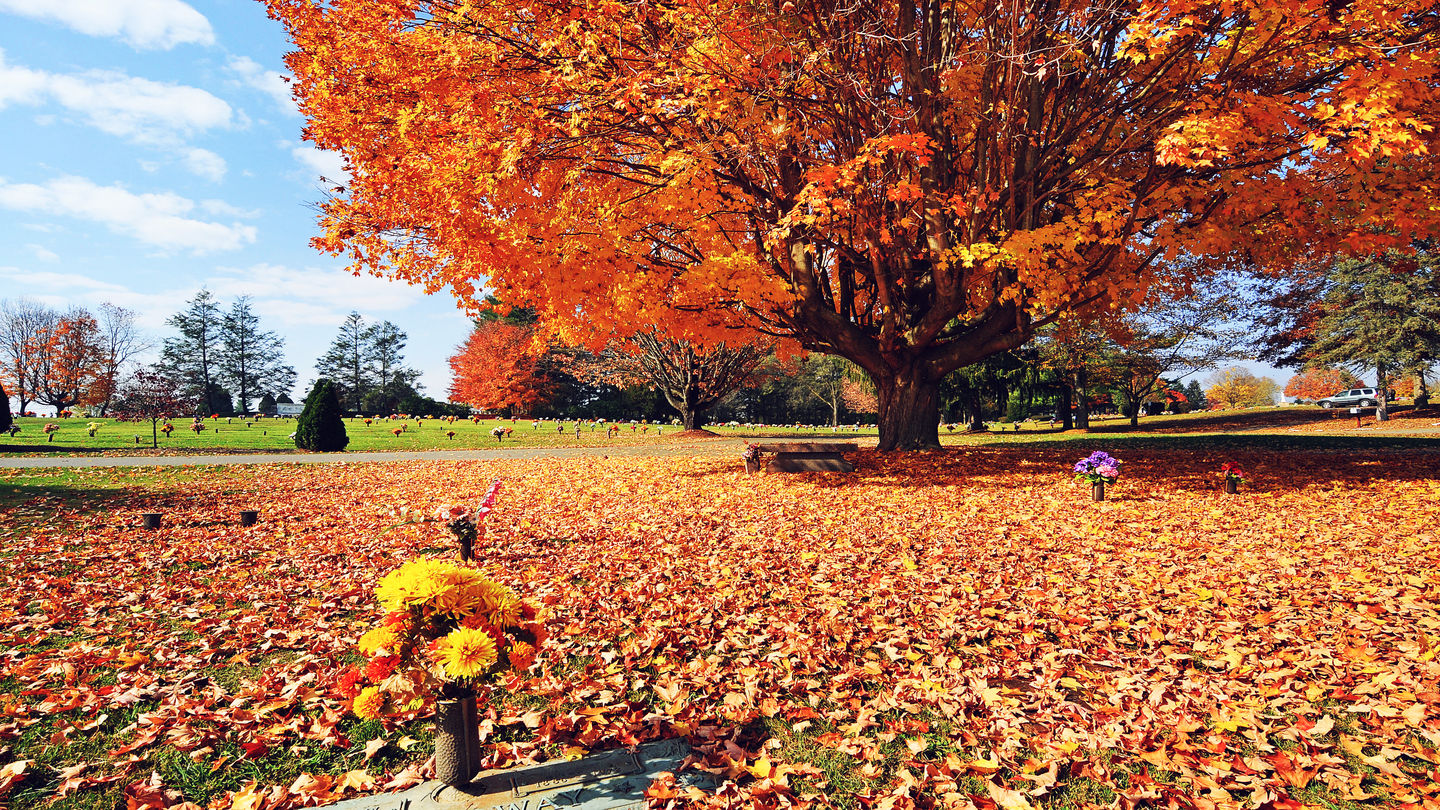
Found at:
<point>321,426</point>
<point>5,420</point>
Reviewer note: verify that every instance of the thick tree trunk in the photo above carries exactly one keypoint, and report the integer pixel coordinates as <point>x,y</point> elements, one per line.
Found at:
<point>688,418</point>
<point>1067,402</point>
<point>909,411</point>
<point>1082,397</point>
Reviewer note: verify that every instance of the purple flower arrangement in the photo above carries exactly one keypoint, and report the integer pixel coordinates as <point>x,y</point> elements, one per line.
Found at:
<point>1097,468</point>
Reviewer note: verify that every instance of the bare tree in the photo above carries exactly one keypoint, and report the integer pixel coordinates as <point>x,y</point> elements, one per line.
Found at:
<point>120,341</point>
<point>693,378</point>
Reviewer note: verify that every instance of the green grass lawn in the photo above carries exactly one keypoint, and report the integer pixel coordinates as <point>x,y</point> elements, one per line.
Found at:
<point>237,434</point>
<point>273,435</point>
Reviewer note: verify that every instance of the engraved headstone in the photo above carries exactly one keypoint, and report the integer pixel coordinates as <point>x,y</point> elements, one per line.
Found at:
<point>612,780</point>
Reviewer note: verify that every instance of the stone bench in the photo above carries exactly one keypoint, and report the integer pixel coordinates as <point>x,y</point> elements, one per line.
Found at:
<point>809,456</point>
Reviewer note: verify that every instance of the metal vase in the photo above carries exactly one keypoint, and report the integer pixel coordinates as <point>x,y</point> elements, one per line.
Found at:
<point>1097,491</point>
<point>457,741</point>
<point>150,520</point>
<point>452,757</point>
<point>249,517</point>
<point>1231,486</point>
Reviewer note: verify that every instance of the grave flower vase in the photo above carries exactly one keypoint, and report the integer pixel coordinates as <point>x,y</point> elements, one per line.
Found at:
<point>457,744</point>
<point>1231,486</point>
<point>752,465</point>
<point>1097,491</point>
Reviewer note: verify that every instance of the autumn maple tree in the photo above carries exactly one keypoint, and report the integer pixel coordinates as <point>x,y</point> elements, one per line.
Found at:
<point>913,185</point>
<point>1317,383</point>
<point>500,366</point>
<point>70,360</point>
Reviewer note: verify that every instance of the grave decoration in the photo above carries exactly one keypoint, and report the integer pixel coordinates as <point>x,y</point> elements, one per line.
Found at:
<point>467,524</point>
<point>448,636</point>
<point>751,457</point>
<point>1234,476</point>
<point>1097,469</point>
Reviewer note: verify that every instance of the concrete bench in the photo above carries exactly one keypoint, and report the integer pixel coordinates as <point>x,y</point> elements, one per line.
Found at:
<point>809,456</point>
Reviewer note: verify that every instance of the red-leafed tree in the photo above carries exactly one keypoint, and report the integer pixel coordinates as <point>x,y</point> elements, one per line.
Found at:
<point>500,367</point>
<point>1317,383</point>
<point>154,393</point>
<point>914,185</point>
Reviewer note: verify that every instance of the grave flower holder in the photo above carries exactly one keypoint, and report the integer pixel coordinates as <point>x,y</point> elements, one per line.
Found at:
<point>1232,486</point>
<point>449,632</point>
<point>457,740</point>
<point>1097,491</point>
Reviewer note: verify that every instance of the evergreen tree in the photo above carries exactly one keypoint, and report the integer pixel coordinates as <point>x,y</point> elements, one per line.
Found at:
<point>5,419</point>
<point>1381,313</point>
<point>1196,395</point>
<point>267,404</point>
<point>193,354</point>
<point>321,426</point>
<point>347,361</point>
<point>219,402</point>
<point>385,345</point>
<point>253,359</point>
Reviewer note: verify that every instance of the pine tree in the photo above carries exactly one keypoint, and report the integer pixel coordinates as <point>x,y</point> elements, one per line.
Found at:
<point>193,354</point>
<point>1196,395</point>
<point>321,426</point>
<point>267,404</point>
<point>346,362</point>
<point>253,359</point>
<point>1381,313</point>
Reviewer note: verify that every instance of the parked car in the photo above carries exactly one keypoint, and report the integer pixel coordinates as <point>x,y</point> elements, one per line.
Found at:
<point>1352,398</point>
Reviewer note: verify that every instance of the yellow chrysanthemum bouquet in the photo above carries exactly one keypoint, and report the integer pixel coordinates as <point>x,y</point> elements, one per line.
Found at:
<point>447,630</point>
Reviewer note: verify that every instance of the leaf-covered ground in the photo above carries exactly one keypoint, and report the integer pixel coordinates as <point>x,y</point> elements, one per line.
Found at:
<point>952,629</point>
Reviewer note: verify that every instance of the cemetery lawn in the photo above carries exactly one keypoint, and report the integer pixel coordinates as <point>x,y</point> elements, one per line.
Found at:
<point>962,628</point>
<point>237,435</point>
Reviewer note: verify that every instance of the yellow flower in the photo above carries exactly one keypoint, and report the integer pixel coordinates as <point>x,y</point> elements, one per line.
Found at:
<point>466,652</point>
<point>508,612</point>
<point>439,587</point>
<point>369,703</point>
<point>380,638</point>
<point>415,583</point>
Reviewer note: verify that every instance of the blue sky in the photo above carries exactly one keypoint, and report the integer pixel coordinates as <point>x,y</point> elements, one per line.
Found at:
<point>149,148</point>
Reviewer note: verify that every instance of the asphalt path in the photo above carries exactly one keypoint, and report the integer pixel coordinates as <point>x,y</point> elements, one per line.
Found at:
<point>708,447</point>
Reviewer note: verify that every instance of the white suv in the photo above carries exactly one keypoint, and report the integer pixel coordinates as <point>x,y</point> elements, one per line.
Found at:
<point>1361,397</point>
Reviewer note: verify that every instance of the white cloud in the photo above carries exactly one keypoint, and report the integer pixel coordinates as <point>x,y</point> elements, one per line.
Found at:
<point>220,208</point>
<point>143,24</point>
<point>204,163</point>
<point>43,253</point>
<point>329,165</point>
<point>158,220</point>
<point>312,295</point>
<point>270,82</point>
<point>138,109</point>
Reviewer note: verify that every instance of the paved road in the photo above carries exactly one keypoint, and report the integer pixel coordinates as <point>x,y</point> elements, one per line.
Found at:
<point>709,447</point>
